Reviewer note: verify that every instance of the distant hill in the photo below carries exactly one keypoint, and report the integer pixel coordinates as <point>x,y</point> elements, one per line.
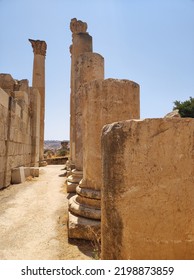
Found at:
<point>52,144</point>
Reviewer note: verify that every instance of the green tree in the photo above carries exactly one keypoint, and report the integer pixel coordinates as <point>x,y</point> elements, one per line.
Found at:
<point>185,108</point>
<point>62,152</point>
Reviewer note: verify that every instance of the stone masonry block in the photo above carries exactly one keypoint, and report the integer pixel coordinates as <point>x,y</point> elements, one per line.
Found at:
<point>34,171</point>
<point>7,83</point>
<point>17,175</point>
<point>1,180</point>
<point>22,99</point>
<point>148,189</point>
<point>4,98</point>
<point>27,171</point>
<point>2,148</point>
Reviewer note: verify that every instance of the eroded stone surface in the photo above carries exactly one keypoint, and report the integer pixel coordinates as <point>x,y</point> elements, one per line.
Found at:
<point>148,194</point>
<point>173,114</point>
<point>80,227</point>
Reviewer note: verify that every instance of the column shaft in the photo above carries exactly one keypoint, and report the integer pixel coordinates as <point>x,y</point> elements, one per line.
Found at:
<point>38,81</point>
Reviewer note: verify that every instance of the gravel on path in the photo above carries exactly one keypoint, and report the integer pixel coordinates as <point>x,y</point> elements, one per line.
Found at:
<point>33,220</point>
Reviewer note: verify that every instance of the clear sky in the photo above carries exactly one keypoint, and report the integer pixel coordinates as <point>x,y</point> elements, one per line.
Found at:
<point>148,41</point>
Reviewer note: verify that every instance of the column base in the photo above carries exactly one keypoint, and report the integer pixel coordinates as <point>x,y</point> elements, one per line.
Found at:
<point>83,228</point>
<point>71,187</point>
<point>73,180</point>
<point>69,166</point>
<point>85,214</point>
<point>85,207</point>
<point>42,163</point>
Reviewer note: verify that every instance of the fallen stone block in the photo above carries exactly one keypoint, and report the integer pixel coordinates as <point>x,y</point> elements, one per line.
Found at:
<point>27,171</point>
<point>34,171</point>
<point>83,228</point>
<point>17,175</point>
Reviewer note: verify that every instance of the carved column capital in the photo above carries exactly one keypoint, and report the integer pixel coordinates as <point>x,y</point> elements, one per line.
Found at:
<point>39,47</point>
<point>78,26</point>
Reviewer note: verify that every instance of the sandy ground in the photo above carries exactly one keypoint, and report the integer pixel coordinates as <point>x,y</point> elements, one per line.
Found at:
<point>33,220</point>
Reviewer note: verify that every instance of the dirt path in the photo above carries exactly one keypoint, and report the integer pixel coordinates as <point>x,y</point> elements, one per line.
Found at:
<point>33,220</point>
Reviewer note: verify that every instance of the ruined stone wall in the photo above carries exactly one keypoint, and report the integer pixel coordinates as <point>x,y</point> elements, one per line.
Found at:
<point>18,120</point>
<point>148,189</point>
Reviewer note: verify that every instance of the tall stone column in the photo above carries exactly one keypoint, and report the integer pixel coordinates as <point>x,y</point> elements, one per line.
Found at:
<point>105,101</point>
<point>38,81</point>
<point>81,43</point>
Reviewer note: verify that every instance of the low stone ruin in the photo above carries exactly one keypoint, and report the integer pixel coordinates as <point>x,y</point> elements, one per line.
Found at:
<point>147,203</point>
<point>133,178</point>
<point>19,123</point>
<point>22,120</point>
<point>95,102</point>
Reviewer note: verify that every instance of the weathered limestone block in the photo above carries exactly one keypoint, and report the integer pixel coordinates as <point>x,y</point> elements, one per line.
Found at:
<point>79,226</point>
<point>173,114</point>
<point>89,66</point>
<point>27,172</point>
<point>18,111</point>
<point>18,175</point>
<point>2,165</point>
<point>2,148</point>
<point>22,99</point>
<point>34,171</point>
<point>1,178</point>
<point>148,189</point>
<point>4,98</point>
<point>104,101</point>
<point>78,26</point>
<point>7,83</point>
<point>22,85</point>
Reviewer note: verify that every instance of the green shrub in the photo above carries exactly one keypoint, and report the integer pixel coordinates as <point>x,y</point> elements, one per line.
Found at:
<point>186,108</point>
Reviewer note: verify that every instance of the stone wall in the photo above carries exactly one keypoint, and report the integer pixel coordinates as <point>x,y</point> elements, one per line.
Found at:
<point>148,189</point>
<point>19,117</point>
<point>4,105</point>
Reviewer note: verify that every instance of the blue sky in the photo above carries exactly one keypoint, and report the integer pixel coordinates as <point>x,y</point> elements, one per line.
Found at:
<point>148,41</point>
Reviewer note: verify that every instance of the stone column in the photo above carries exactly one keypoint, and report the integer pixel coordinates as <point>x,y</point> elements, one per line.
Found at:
<point>35,118</point>
<point>38,81</point>
<point>81,43</point>
<point>105,101</point>
<point>89,66</point>
<point>148,190</point>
